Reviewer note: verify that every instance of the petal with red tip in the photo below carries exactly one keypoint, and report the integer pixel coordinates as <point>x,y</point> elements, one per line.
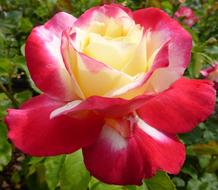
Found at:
<point>160,151</point>
<point>33,132</point>
<point>114,159</point>
<point>44,58</point>
<point>180,108</point>
<point>101,12</point>
<point>180,43</point>
<point>107,107</point>
<point>132,150</point>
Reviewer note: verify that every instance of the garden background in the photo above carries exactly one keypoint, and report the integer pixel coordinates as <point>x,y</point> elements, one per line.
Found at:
<point>67,172</point>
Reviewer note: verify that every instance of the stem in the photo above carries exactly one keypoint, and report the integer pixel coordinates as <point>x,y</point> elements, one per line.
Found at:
<point>10,96</point>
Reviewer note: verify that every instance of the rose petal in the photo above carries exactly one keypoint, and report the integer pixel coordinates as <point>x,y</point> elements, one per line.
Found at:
<point>156,80</point>
<point>93,77</point>
<point>159,150</point>
<point>33,132</point>
<point>44,58</point>
<point>100,13</point>
<point>180,44</point>
<point>180,108</point>
<point>107,107</point>
<point>130,159</point>
<point>114,159</point>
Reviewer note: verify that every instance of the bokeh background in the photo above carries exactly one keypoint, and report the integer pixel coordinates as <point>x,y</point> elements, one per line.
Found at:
<point>67,172</point>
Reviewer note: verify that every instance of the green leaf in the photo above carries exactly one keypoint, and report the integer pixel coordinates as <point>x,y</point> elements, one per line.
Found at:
<point>98,185</point>
<point>206,149</point>
<point>5,66</point>
<point>134,187</point>
<point>25,25</point>
<point>52,170</point>
<point>73,173</point>
<point>179,182</point>
<point>23,96</point>
<point>161,181</point>
<point>4,104</point>
<point>196,64</point>
<point>5,147</point>
<point>207,182</point>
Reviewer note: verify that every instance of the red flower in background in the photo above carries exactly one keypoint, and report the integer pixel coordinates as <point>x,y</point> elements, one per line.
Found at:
<point>211,73</point>
<point>188,15</point>
<point>112,85</point>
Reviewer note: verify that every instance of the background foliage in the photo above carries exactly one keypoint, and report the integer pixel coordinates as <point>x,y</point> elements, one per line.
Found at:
<point>67,172</point>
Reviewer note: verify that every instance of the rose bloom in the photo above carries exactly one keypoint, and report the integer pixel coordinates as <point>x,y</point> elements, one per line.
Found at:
<point>112,85</point>
<point>188,15</point>
<point>211,73</point>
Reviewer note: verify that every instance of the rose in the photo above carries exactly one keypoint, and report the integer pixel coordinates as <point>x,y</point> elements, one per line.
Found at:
<point>188,15</point>
<point>211,73</point>
<point>112,84</point>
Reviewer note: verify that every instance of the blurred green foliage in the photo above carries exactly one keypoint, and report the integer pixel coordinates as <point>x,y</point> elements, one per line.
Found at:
<point>67,172</point>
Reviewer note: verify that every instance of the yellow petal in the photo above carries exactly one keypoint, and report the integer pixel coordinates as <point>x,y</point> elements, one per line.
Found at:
<point>95,78</point>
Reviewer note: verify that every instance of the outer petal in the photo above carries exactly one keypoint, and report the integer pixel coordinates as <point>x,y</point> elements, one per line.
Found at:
<point>180,44</point>
<point>114,159</point>
<point>160,151</point>
<point>44,58</point>
<point>180,108</point>
<point>32,131</point>
<point>130,159</point>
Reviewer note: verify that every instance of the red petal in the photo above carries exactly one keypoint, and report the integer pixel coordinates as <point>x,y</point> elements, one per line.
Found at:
<point>44,58</point>
<point>108,107</point>
<point>160,151</point>
<point>180,108</point>
<point>180,44</point>
<point>33,132</point>
<point>128,151</point>
<point>114,159</point>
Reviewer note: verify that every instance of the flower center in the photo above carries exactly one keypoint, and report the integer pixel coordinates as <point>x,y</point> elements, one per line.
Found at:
<point>112,42</point>
<point>123,126</point>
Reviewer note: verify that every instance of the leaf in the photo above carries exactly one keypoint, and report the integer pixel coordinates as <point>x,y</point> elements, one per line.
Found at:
<point>5,147</point>
<point>179,182</point>
<point>161,181</point>
<point>23,96</point>
<point>25,25</point>
<point>206,149</point>
<point>196,64</point>
<point>98,185</point>
<point>5,66</point>
<point>134,187</point>
<point>73,174</point>
<point>207,182</point>
<point>52,170</point>
<point>4,104</point>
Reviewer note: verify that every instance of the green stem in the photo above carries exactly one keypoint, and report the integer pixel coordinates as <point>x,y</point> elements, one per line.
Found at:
<point>10,96</point>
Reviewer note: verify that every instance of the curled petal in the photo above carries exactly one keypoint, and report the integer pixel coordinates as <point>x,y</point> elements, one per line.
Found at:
<point>107,107</point>
<point>157,79</point>
<point>180,44</point>
<point>44,58</point>
<point>33,132</point>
